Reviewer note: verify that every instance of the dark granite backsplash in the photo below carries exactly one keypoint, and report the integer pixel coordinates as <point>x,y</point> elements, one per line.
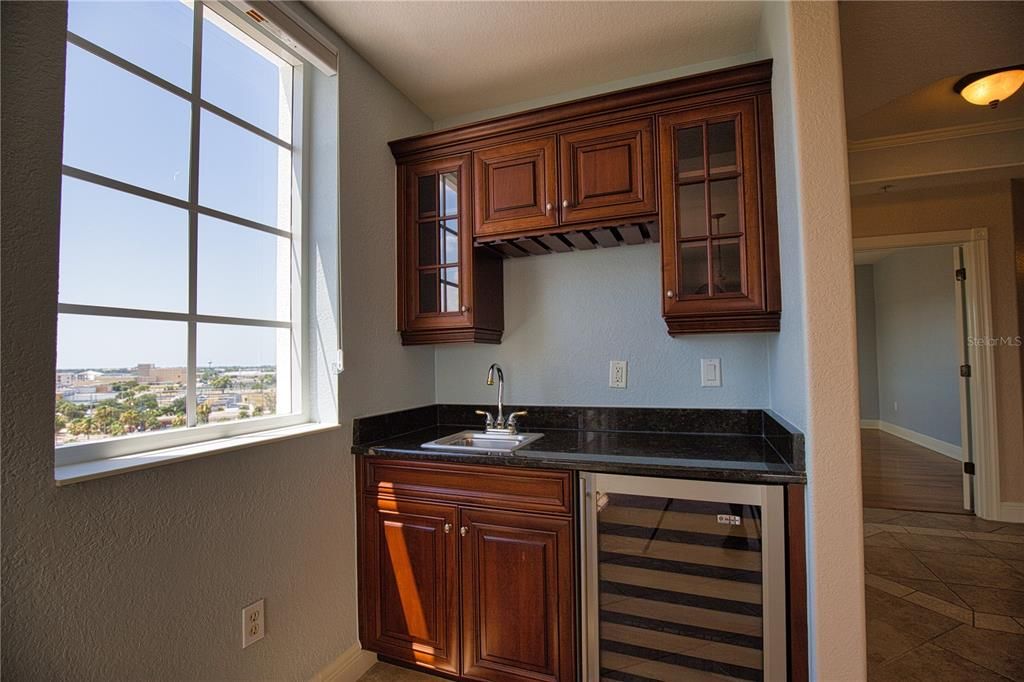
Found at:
<point>784,439</point>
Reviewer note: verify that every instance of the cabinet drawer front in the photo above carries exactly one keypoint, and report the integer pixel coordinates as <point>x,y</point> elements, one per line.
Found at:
<point>514,187</point>
<point>607,172</point>
<point>531,490</point>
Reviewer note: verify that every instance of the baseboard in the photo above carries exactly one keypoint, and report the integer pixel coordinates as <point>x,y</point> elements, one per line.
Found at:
<point>348,667</point>
<point>939,446</point>
<point>1012,512</point>
<point>869,423</point>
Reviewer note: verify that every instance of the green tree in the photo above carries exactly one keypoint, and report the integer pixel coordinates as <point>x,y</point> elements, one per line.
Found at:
<point>176,407</point>
<point>203,413</point>
<point>69,410</point>
<point>145,401</point>
<point>104,416</point>
<point>223,382</point>
<point>80,427</point>
<point>130,419</point>
<point>59,422</point>
<point>243,412</point>
<point>124,386</point>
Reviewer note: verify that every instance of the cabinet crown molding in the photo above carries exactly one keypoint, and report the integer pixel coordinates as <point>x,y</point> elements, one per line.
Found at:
<point>706,85</point>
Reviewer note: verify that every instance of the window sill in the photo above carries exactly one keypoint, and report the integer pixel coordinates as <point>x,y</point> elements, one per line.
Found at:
<point>68,474</point>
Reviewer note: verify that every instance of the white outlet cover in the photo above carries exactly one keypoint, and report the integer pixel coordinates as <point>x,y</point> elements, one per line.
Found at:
<point>711,372</point>
<point>253,623</point>
<point>617,371</point>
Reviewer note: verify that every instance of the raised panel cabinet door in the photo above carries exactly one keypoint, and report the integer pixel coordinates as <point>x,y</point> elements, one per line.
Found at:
<point>515,187</point>
<point>410,590</point>
<point>607,172</point>
<point>711,234</point>
<point>517,597</point>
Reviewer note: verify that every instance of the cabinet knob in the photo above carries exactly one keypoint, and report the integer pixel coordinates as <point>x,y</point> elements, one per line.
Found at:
<point>465,309</point>
<point>547,208</point>
<point>463,531</point>
<point>565,203</point>
<point>447,528</point>
<point>670,293</point>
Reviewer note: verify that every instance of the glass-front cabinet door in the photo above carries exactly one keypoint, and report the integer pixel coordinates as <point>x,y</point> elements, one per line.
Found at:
<point>711,211</point>
<point>438,247</point>
<point>683,580</point>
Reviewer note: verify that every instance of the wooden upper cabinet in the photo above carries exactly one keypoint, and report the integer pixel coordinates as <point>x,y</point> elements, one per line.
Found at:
<point>441,277</point>
<point>409,588</point>
<point>607,173</point>
<point>515,188</point>
<point>688,163</point>
<point>517,597</point>
<point>716,272</point>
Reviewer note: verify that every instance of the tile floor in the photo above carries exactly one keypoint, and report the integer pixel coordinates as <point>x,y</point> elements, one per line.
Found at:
<point>945,597</point>
<point>382,672</point>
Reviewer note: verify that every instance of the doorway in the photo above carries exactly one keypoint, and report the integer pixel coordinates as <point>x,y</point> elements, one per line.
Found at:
<point>926,401</point>
<point>911,339</point>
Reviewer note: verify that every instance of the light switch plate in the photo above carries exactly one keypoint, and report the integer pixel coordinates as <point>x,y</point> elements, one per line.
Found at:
<point>711,372</point>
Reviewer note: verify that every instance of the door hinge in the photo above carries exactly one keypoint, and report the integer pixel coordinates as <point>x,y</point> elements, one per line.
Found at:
<point>961,274</point>
<point>969,468</point>
<point>965,370</point>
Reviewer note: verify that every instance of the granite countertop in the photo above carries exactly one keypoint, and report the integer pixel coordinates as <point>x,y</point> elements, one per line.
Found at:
<point>739,447</point>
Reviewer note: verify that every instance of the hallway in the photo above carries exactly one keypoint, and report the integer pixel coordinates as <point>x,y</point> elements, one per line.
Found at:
<point>898,474</point>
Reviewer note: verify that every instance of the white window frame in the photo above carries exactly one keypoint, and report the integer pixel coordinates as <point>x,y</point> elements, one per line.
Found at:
<point>298,381</point>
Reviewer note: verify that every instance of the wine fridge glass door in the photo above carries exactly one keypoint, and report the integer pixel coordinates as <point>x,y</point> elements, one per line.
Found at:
<point>682,580</point>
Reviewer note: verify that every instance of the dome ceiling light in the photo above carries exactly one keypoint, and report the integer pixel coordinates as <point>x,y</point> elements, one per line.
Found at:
<point>989,88</point>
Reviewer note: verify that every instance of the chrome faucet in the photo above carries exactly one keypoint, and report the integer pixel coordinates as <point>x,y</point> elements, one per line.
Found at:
<point>499,425</point>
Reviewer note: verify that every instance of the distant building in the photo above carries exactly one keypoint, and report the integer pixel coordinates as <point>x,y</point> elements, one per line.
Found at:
<point>147,373</point>
<point>89,398</point>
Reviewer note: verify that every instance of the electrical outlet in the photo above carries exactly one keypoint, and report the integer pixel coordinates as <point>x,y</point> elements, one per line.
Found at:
<point>252,623</point>
<point>617,374</point>
<point>711,372</point>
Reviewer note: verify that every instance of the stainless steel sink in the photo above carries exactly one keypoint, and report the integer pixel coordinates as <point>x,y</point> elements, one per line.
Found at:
<point>478,441</point>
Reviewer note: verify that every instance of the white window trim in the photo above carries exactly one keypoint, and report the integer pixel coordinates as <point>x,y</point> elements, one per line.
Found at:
<point>112,455</point>
<point>67,474</point>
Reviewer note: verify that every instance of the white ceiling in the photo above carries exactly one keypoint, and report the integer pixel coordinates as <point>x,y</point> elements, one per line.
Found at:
<point>900,60</point>
<point>455,58</point>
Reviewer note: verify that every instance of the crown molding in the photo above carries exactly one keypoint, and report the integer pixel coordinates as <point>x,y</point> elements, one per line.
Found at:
<point>936,135</point>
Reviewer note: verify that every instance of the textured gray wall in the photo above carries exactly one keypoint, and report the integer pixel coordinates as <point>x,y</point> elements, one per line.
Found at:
<point>567,315</point>
<point>915,318</point>
<point>787,350</point>
<point>143,575</point>
<point>867,360</point>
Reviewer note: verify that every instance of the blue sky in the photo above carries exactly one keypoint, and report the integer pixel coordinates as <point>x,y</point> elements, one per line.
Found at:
<point>124,251</point>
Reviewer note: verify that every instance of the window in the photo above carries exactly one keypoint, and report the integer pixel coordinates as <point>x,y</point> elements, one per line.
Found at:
<point>181,262</point>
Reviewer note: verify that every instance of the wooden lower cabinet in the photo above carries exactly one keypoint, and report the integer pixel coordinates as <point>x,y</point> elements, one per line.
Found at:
<point>470,591</point>
<point>517,605</point>
<point>410,591</point>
